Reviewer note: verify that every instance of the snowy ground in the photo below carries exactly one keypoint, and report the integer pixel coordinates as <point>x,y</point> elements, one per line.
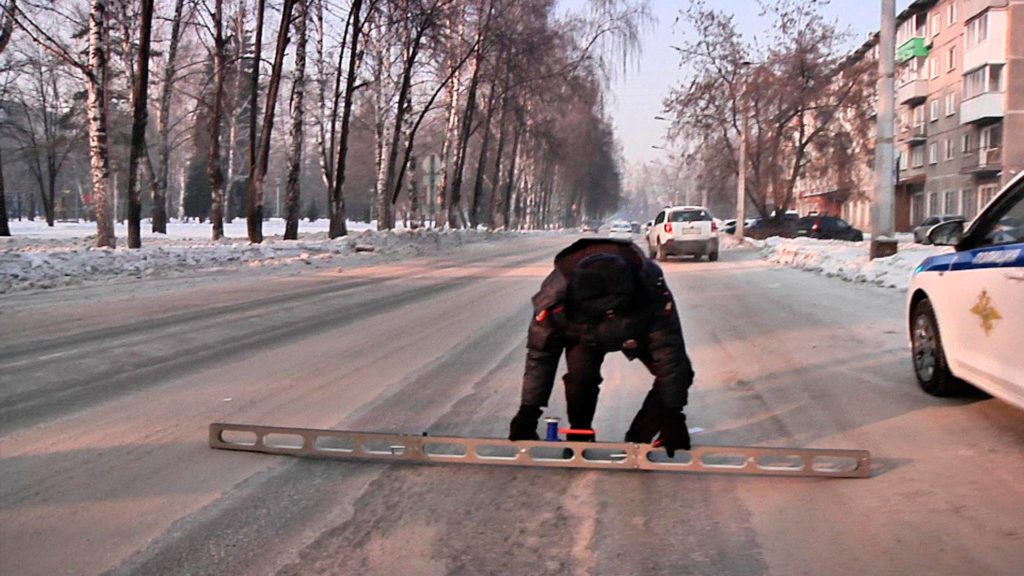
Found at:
<point>849,260</point>
<point>37,256</point>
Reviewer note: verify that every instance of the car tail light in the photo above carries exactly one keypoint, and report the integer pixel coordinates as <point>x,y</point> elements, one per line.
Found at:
<point>668,227</point>
<point>714,226</point>
<point>815,228</point>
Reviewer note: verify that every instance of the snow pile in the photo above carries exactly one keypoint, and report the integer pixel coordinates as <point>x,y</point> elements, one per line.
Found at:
<point>849,260</point>
<point>28,262</point>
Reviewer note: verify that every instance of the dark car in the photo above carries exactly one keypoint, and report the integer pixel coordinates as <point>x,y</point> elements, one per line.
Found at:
<point>921,231</point>
<point>827,228</point>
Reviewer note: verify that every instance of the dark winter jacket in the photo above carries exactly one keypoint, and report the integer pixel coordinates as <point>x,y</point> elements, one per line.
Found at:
<point>646,328</point>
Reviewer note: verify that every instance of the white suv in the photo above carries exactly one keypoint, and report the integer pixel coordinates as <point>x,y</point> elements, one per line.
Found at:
<point>683,230</point>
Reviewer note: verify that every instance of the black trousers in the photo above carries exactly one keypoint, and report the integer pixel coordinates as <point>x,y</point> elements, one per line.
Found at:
<point>583,385</point>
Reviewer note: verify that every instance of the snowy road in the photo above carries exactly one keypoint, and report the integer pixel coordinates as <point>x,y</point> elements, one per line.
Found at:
<point>106,393</point>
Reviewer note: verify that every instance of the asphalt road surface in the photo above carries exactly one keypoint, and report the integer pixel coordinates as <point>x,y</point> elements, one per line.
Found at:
<point>106,393</point>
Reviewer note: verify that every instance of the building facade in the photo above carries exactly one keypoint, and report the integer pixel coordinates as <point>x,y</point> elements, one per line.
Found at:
<point>959,109</point>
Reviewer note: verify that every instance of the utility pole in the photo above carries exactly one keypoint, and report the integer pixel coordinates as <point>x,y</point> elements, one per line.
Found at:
<point>883,220</point>
<point>741,170</point>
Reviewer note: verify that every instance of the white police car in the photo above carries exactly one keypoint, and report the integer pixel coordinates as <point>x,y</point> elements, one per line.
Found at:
<point>966,308</point>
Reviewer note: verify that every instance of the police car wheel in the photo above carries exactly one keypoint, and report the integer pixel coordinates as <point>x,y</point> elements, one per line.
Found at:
<point>662,253</point>
<point>713,256</point>
<point>930,365</point>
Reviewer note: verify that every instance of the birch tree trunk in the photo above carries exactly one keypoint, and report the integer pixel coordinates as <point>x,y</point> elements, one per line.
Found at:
<point>96,104</point>
<point>214,172</point>
<point>140,101</point>
<point>497,206</point>
<point>337,203</point>
<point>291,231</point>
<point>6,30</point>
<point>455,197</point>
<point>255,191</point>
<point>163,123</point>
<point>481,166</point>
<point>451,129</point>
<point>5,229</point>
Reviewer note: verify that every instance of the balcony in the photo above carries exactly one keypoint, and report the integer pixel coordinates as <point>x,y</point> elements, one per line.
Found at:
<point>983,108</point>
<point>911,175</point>
<point>991,51</point>
<point>971,8</point>
<point>913,48</point>
<point>918,135</point>
<point>912,93</point>
<point>983,163</point>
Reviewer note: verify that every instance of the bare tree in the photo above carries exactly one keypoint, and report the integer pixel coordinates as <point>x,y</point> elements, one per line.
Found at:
<point>791,99</point>
<point>95,71</point>
<point>158,175</point>
<point>291,231</point>
<point>256,180</point>
<point>6,31</point>
<point>140,103</point>
<point>214,170</point>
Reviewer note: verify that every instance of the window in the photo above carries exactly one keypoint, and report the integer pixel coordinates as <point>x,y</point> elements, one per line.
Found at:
<point>951,12</point>
<point>660,218</point>
<point>949,204</point>
<point>936,24</point>
<point>950,148</point>
<point>934,111</point>
<point>904,120</point>
<point>985,79</point>
<point>903,157</point>
<point>950,103</point>
<point>916,157</point>
<point>986,194</point>
<point>933,203</point>
<point>969,200</point>
<point>990,137</point>
<point>977,30</point>
<point>933,69</point>
<point>917,207</point>
<point>966,143</point>
<point>995,78</point>
<point>933,153</point>
<point>919,115</point>
<point>951,58</point>
<point>1007,229</point>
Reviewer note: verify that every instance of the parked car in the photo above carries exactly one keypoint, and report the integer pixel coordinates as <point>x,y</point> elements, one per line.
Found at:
<point>965,308</point>
<point>634,227</point>
<point>827,228</point>
<point>620,229</point>
<point>683,230</point>
<point>729,226</point>
<point>590,226</point>
<point>921,231</point>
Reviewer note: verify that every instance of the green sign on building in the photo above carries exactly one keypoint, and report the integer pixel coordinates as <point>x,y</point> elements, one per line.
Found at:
<point>912,48</point>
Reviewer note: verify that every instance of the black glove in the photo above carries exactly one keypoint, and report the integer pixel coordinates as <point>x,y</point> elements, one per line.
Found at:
<point>524,424</point>
<point>674,434</point>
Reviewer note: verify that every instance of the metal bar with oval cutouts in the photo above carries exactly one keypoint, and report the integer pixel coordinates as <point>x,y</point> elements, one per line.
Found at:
<point>751,460</point>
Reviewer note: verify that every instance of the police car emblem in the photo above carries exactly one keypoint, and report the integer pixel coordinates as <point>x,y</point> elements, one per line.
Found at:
<point>983,309</point>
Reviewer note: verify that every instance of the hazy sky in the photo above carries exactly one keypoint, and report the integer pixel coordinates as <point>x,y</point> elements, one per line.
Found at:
<point>637,98</point>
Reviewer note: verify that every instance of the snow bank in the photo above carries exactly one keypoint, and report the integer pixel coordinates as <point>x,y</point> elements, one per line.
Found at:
<point>849,260</point>
<point>34,259</point>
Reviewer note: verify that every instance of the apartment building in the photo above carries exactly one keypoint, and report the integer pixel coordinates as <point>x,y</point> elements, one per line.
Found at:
<point>959,110</point>
<point>959,88</point>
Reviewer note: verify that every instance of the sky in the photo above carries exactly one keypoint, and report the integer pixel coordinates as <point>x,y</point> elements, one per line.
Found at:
<point>637,97</point>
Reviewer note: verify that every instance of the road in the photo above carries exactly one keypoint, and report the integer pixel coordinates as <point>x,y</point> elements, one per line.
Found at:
<point>106,393</point>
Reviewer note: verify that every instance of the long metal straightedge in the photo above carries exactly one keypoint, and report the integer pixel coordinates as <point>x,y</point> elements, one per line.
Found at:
<point>815,462</point>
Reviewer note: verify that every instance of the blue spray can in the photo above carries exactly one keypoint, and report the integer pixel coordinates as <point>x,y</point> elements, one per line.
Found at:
<point>552,429</point>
